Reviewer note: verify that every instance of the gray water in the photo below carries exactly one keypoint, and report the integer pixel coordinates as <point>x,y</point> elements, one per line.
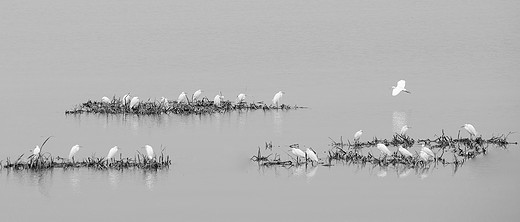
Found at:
<point>339,58</point>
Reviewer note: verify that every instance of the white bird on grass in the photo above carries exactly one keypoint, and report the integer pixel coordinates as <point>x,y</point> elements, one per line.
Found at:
<point>196,95</point>
<point>384,150</point>
<point>424,156</point>
<point>218,99</point>
<point>112,152</point>
<point>36,150</point>
<point>404,129</point>
<point>164,101</point>
<point>126,99</point>
<point>105,99</point>
<point>470,129</point>
<point>400,87</point>
<point>298,153</point>
<point>183,98</point>
<point>134,102</point>
<point>73,151</point>
<point>149,151</point>
<point>357,135</point>
<point>311,154</point>
<point>404,151</point>
<point>241,98</point>
<point>427,150</point>
<point>277,97</point>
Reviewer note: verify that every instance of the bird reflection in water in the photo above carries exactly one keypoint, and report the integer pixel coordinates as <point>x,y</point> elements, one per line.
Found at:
<point>114,178</point>
<point>150,178</point>
<point>311,172</point>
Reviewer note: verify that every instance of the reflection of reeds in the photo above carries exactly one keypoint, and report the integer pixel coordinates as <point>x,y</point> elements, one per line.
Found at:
<point>47,161</point>
<point>204,106</point>
<point>461,149</point>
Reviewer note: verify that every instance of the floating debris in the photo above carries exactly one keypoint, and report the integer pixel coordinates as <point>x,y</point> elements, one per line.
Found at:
<point>446,150</point>
<point>204,106</point>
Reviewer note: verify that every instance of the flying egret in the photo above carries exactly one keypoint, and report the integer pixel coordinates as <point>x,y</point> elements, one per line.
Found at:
<point>424,156</point>
<point>311,154</point>
<point>149,151</point>
<point>399,88</point>
<point>196,95</point>
<point>404,129</point>
<point>36,150</point>
<point>384,150</point>
<point>427,150</point>
<point>470,129</point>
<point>126,99</point>
<point>105,99</point>
<point>112,152</point>
<point>73,151</point>
<point>298,153</point>
<point>183,98</point>
<point>218,99</point>
<point>277,97</point>
<point>134,102</point>
<point>241,97</point>
<point>164,101</point>
<point>404,151</point>
<point>357,135</point>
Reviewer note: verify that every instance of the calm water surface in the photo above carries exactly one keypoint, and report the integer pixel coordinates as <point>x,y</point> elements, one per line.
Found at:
<point>339,58</point>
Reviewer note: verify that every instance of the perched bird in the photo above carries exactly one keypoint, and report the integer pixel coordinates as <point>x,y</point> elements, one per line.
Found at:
<point>298,153</point>
<point>112,152</point>
<point>404,151</point>
<point>470,129</point>
<point>424,156</point>
<point>36,150</point>
<point>241,97</point>
<point>164,101</point>
<point>357,135</point>
<point>427,150</point>
<point>404,129</point>
<point>311,154</point>
<point>277,97</point>
<point>73,151</point>
<point>182,98</point>
<point>218,99</point>
<point>384,150</point>
<point>126,99</point>
<point>149,151</point>
<point>196,95</point>
<point>105,99</point>
<point>400,87</point>
<point>134,102</point>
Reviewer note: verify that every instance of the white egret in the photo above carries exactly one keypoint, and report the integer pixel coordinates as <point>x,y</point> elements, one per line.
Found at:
<point>400,87</point>
<point>196,95</point>
<point>424,156</point>
<point>149,151</point>
<point>277,97</point>
<point>112,152</point>
<point>384,150</point>
<point>470,129</point>
<point>134,102</point>
<point>298,153</point>
<point>404,129</point>
<point>218,99</point>
<point>126,99</point>
<point>183,98</point>
<point>427,150</point>
<point>164,101</point>
<point>404,151</point>
<point>311,154</point>
<point>73,151</point>
<point>241,97</point>
<point>357,135</point>
<point>105,99</point>
<point>36,150</point>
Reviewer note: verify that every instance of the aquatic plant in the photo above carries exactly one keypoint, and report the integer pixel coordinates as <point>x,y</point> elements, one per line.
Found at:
<point>204,106</point>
